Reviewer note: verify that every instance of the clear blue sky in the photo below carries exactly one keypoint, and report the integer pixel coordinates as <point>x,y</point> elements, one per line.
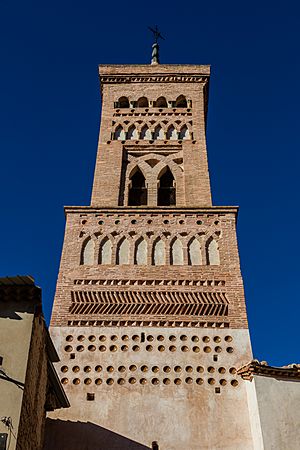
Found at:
<point>49,118</point>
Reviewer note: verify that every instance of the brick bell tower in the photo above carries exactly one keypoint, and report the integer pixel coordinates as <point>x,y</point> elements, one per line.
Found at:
<point>149,315</point>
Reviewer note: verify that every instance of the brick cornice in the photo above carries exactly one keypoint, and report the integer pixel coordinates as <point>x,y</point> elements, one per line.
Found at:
<point>157,210</point>
<point>255,367</point>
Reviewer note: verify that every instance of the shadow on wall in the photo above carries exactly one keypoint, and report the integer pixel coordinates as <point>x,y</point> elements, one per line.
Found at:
<point>67,435</point>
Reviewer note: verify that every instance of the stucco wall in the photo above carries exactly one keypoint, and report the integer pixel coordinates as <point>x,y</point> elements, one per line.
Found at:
<point>279,409</point>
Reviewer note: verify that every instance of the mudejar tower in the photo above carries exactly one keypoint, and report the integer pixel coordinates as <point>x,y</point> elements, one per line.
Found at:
<point>149,315</point>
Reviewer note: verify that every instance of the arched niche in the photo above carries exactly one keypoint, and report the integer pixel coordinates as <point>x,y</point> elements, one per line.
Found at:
<point>159,253</point>
<point>172,133</point>
<point>137,192</point>
<point>105,252</point>
<point>123,102</point>
<point>194,253</point>
<point>88,252</point>
<point>158,133</point>
<point>181,102</point>
<point>123,252</point>
<point>120,134</point>
<point>133,133</point>
<point>161,102</point>
<point>140,257</point>
<point>142,102</point>
<point>146,133</point>
<point>212,252</point>
<point>184,133</point>
<point>166,192</point>
<point>176,253</point>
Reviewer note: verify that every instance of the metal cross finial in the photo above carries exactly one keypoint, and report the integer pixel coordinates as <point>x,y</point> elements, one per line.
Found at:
<point>155,46</point>
<point>156,33</point>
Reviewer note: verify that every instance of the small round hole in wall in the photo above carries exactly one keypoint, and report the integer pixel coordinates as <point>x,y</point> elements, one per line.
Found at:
<point>183,337</point>
<point>149,348</point>
<point>218,349</point>
<point>222,370</point>
<point>155,381</point>
<point>196,349</point>
<point>92,338</point>
<point>216,222</point>
<point>133,221</point>
<point>155,369</point>
<point>68,348</point>
<point>229,350</point>
<point>98,381</point>
<point>234,383</point>
<point>211,369</point>
<point>143,381</point>
<point>110,369</point>
<point>102,338</point>
<point>121,381</point>
<point>98,368</point>
<point>124,348</point>
<point>91,348</point>
<point>100,222</point>
<point>177,381</point>
<point>166,221</point>
<point>195,338</point>
<point>144,368</point>
<point>199,381</point>
<point>117,222</point>
<point>161,348</point>
<point>232,370</point>
<point>228,338</point>
<point>113,348</point>
<point>167,369</point>
<point>64,380</point>
<point>184,348</point>
<point>87,369</point>
<point>160,338</point>
<point>166,381</point>
<point>87,381</point>
<point>177,369</point>
<point>150,338</point>
<point>207,349</point>
<point>84,222</point>
<point>132,380</point>
<point>64,369</point>
<point>102,348</point>
<point>80,348</point>
<point>114,338</point>
<point>199,222</point>
<point>76,369</point>
<point>109,381</point>
<point>181,222</point>
<point>217,339</point>
<point>125,337</point>
<point>122,369</point>
<point>76,381</point>
<point>149,221</point>
<point>189,369</point>
<point>69,338</point>
<point>132,368</point>
<point>211,381</point>
<point>205,339</point>
<point>189,380</point>
<point>223,382</point>
<point>172,348</point>
<point>136,338</point>
<point>172,338</point>
<point>200,369</point>
<point>135,348</point>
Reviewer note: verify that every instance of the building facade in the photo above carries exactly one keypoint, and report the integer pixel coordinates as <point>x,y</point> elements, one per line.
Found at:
<point>149,315</point>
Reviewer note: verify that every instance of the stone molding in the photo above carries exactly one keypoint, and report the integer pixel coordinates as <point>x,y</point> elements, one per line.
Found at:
<point>261,368</point>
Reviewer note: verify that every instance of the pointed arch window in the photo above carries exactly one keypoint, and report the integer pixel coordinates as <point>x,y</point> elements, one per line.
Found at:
<point>105,252</point>
<point>159,253</point>
<point>123,252</point>
<point>133,133</point>
<point>166,193</point>
<point>212,253</point>
<point>88,252</point>
<point>177,253</point>
<point>159,133</point>
<point>140,257</point>
<point>120,134</point>
<point>123,102</point>
<point>184,133</point>
<point>172,133</point>
<point>194,253</point>
<point>181,102</point>
<point>146,133</point>
<point>137,194</point>
<point>161,102</point>
<point>142,102</point>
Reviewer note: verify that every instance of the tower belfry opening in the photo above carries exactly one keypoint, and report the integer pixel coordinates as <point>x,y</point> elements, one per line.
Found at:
<point>137,190</point>
<point>166,194</point>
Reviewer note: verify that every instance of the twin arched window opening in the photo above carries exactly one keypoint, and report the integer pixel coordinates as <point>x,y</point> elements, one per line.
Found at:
<point>166,192</point>
<point>137,194</point>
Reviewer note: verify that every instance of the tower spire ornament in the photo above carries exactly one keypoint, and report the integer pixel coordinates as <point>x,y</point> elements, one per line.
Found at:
<point>155,46</point>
